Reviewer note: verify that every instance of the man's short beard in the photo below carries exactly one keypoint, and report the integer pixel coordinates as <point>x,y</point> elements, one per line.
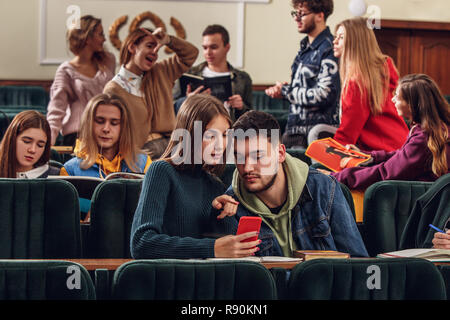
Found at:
<point>266,187</point>
<point>309,28</point>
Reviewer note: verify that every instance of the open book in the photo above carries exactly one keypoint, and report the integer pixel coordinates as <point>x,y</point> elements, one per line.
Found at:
<point>332,154</point>
<point>434,255</point>
<point>111,176</point>
<point>220,86</point>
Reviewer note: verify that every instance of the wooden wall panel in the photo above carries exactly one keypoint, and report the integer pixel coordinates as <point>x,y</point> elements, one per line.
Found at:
<point>418,47</point>
<point>432,56</point>
<point>395,43</point>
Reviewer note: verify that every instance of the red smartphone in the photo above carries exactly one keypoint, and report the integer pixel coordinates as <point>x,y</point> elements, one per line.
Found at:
<point>248,224</point>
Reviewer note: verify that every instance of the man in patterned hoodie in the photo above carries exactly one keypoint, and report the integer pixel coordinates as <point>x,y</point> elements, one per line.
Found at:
<point>315,84</point>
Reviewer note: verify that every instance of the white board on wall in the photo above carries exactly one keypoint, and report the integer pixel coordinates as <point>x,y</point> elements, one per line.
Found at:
<point>193,15</point>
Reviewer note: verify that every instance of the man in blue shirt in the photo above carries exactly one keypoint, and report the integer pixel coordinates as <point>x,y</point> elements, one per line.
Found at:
<point>315,84</point>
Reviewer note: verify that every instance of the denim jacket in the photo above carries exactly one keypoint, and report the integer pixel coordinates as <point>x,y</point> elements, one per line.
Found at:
<point>321,220</point>
<point>315,85</point>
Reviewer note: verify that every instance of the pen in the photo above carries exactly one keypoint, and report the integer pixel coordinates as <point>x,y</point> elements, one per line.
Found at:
<point>437,229</point>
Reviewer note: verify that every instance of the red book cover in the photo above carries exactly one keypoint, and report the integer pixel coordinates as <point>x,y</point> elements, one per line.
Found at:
<point>331,154</point>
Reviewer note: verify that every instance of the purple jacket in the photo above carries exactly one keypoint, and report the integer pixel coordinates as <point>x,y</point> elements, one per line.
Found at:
<point>411,162</point>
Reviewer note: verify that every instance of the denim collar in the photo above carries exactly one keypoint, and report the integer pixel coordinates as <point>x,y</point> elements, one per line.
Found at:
<point>325,34</point>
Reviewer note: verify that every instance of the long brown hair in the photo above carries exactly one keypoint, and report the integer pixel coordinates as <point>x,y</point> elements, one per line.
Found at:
<point>363,62</point>
<point>21,122</point>
<point>77,38</point>
<point>88,145</point>
<point>429,109</point>
<point>135,38</point>
<point>198,107</point>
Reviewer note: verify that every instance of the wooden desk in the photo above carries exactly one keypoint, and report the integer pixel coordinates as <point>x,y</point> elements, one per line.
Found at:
<point>63,149</point>
<point>113,264</point>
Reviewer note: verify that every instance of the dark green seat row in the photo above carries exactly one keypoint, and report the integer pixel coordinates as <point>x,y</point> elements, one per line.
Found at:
<point>160,279</point>
<point>261,101</point>
<point>279,108</point>
<point>51,208</point>
<point>388,206</point>
<point>8,112</point>
<point>15,109</point>
<point>24,95</point>
<point>40,219</point>
<point>14,99</point>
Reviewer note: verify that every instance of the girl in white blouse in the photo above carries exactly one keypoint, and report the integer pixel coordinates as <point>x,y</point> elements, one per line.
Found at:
<point>25,147</point>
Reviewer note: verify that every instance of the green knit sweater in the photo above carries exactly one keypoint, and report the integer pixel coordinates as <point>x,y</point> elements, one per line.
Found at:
<point>173,213</point>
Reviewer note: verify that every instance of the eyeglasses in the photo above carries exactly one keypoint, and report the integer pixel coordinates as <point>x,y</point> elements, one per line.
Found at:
<point>299,15</point>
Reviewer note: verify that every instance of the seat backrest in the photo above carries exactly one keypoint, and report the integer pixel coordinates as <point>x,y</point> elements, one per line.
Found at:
<point>112,210</point>
<point>300,154</point>
<point>60,157</point>
<point>387,206</point>
<point>262,102</point>
<point>85,187</point>
<point>44,280</point>
<point>433,207</point>
<point>4,123</point>
<point>169,279</point>
<point>445,271</point>
<point>39,219</point>
<point>55,164</point>
<point>349,198</point>
<point>366,279</point>
<point>23,95</point>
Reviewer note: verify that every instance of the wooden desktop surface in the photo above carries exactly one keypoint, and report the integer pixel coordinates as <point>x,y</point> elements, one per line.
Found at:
<point>113,264</point>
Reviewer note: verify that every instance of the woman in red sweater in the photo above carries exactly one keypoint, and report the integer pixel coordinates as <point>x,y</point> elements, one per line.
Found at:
<point>369,119</point>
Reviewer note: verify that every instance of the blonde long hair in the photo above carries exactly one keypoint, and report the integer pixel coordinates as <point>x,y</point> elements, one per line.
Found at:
<point>77,38</point>
<point>429,109</point>
<point>88,145</point>
<point>363,62</point>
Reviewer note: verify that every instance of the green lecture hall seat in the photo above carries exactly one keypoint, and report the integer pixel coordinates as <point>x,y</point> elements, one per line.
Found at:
<point>387,206</point>
<point>44,280</point>
<point>23,96</point>
<point>171,279</point>
<point>366,279</point>
<point>299,154</point>
<point>15,99</point>
<point>279,108</point>
<point>112,210</point>
<point>433,207</point>
<point>39,219</point>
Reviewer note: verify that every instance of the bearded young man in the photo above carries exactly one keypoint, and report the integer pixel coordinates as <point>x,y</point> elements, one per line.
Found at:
<point>315,84</point>
<point>301,208</point>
